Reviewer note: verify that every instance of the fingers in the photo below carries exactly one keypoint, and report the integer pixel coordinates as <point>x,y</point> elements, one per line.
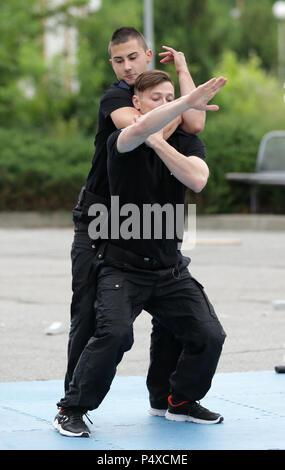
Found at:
<point>167,57</point>
<point>212,107</point>
<point>169,51</point>
<point>214,85</point>
<point>173,51</point>
<point>206,92</point>
<point>166,60</point>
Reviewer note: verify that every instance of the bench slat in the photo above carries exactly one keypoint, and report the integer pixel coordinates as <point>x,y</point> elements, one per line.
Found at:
<point>262,177</point>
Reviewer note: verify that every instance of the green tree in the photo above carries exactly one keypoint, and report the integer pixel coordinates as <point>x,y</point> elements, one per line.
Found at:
<point>18,35</point>
<point>204,29</point>
<point>199,29</point>
<point>94,71</point>
<point>30,92</point>
<point>251,104</point>
<point>257,32</point>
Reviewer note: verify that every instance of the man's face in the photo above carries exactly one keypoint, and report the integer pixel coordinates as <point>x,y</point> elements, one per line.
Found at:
<point>129,59</point>
<point>153,97</point>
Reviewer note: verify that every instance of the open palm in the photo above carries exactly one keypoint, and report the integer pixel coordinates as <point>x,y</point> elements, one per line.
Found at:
<point>200,97</point>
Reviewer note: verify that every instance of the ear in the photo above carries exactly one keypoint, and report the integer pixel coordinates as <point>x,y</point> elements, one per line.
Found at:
<point>149,55</point>
<point>136,102</point>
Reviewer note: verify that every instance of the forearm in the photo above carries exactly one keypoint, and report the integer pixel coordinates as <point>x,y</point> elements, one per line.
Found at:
<point>170,128</point>
<point>152,122</point>
<point>192,171</point>
<point>158,118</point>
<point>193,121</point>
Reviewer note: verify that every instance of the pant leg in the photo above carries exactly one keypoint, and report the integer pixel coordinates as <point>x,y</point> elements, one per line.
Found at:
<point>82,317</point>
<point>116,311</point>
<point>165,350</point>
<point>184,308</point>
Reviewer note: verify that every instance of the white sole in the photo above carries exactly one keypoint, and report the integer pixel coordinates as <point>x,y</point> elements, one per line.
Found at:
<point>58,427</point>
<point>190,419</point>
<point>157,412</point>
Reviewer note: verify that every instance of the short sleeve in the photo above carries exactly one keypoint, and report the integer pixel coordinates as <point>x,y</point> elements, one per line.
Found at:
<point>112,143</point>
<point>197,148</point>
<point>191,145</point>
<point>113,151</point>
<point>115,98</point>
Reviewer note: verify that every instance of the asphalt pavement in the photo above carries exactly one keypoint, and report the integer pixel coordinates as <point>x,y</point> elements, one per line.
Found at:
<point>239,260</point>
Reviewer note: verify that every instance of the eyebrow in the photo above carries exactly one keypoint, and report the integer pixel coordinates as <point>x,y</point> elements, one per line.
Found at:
<point>121,57</point>
<point>160,93</point>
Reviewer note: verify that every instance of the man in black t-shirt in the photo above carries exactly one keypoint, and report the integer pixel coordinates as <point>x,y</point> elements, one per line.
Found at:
<point>129,57</point>
<point>151,274</point>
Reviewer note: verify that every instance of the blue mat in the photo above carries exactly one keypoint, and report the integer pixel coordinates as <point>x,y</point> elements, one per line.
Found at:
<point>252,403</point>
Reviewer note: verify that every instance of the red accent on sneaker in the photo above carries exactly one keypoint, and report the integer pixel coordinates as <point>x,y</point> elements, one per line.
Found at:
<point>178,404</point>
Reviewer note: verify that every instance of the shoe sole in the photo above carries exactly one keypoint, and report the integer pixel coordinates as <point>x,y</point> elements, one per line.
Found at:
<point>157,412</point>
<point>62,431</point>
<point>190,419</point>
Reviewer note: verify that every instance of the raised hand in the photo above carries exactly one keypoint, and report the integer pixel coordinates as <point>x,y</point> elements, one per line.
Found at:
<point>171,55</point>
<point>199,98</point>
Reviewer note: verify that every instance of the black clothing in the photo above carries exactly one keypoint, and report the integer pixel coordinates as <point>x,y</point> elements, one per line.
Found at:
<point>82,317</point>
<point>82,314</point>
<point>181,306</point>
<point>140,177</point>
<point>176,300</point>
<point>96,189</point>
<point>118,95</point>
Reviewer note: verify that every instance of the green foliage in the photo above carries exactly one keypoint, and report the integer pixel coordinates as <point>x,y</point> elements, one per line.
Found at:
<point>256,32</point>
<point>232,145</point>
<point>47,133</point>
<point>250,92</point>
<point>94,70</point>
<point>41,172</point>
<point>251,104</point>
<point>199,29</point>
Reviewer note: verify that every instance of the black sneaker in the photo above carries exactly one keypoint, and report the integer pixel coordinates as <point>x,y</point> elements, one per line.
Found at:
<point>191,411</point>
<point>69,422</point>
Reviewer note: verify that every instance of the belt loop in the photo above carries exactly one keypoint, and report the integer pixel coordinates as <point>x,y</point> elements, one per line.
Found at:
<point>81,196</point>
<point>174,271</point>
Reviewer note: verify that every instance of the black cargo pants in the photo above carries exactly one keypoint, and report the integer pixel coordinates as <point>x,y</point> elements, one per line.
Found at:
<point>165,348</point>
<point>180,305</point>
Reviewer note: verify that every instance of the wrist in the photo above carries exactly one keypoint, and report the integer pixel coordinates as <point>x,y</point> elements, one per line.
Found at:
<point>183,69</point>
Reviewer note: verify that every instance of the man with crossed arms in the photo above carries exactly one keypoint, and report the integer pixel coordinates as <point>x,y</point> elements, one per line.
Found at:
<point>142,277</point>
<point>129,56</point>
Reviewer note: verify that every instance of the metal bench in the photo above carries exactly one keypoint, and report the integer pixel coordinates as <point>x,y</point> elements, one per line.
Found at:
<point>270,166</point>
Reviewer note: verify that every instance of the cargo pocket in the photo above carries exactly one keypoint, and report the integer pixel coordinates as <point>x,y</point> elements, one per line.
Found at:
<point>210,306</point>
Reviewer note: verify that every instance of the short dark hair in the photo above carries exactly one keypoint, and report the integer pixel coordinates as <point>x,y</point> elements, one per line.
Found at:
<point>124,34</point>
<point>151,78</point>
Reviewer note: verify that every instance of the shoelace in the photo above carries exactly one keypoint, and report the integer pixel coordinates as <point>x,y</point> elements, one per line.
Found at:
<point>86,414</point>
<point>77,416</point>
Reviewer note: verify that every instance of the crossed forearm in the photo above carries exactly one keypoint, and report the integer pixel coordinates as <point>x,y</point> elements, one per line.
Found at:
<point>152,122</point>
<point>134,135</point>
<point>192,171</point>
<point>193,121</point>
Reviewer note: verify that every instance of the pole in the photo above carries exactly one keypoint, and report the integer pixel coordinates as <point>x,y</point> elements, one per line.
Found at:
<point>279,12</point>
<point>148,28</point>
<point>281,49</point>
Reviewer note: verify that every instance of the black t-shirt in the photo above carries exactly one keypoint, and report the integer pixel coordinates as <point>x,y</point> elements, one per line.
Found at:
<point>118,95</point>
<point>140,177</point>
